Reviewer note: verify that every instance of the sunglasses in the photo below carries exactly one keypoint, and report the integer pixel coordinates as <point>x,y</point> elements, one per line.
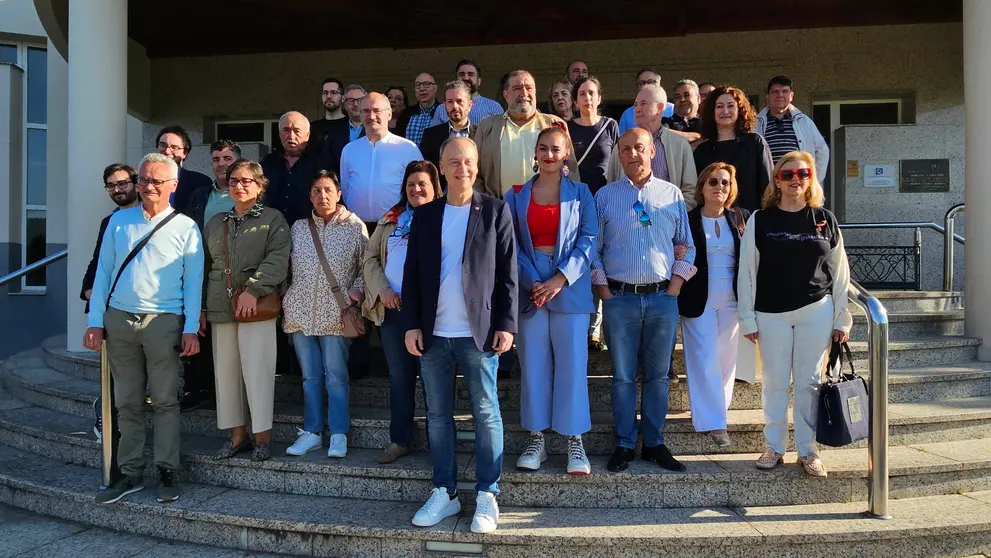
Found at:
<point>713,181</point>
<point>641,214</point>
<point>788,174</point>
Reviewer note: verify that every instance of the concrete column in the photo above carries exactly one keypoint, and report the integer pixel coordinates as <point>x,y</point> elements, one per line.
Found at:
<point>97,132</point>
<point>977,193</point>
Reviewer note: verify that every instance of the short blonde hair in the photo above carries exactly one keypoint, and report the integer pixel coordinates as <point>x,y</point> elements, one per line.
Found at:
<point>734,189</point>
<point>814,195</point>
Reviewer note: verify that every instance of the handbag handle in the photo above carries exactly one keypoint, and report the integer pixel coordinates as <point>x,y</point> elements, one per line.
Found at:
<point>836,353</point>
<point>334,287</point>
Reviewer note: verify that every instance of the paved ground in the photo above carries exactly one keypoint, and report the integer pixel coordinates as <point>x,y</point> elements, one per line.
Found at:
<point>24,534</point>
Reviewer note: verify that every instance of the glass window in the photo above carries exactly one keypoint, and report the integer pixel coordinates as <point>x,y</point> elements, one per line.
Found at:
<point>8,53</point>
<point>35,246</point>
<point>869,113</point>
<point>242,131</point>
<point>37,86</point>
<point>37,181</point>
<point>821,117</point>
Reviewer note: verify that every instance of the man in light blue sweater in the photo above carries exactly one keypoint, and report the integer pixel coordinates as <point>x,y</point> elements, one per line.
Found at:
<point>150,311</point>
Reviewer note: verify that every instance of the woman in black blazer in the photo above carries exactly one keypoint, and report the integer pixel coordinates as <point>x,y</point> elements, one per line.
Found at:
<point>710,328</point>
<point>728,129</point>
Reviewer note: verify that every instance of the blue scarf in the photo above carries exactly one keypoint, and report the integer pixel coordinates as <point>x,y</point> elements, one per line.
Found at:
<point>405,220</point>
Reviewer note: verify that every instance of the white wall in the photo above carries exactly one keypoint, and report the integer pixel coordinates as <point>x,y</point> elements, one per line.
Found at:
<point>18,18</point>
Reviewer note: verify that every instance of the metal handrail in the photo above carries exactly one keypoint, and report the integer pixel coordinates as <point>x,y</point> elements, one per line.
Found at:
<point>44,262</point>
<point>949,223</point>
<point>877,438</point>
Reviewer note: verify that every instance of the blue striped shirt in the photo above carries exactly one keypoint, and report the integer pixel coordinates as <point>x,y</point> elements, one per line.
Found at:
<point>481,107</point>
<point>419,122</point>
<point>636,254</point>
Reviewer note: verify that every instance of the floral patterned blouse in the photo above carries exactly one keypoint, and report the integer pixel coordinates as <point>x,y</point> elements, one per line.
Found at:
<point>309,306</point>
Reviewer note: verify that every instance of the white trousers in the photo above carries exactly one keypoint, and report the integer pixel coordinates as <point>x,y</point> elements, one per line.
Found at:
<point>244,373</point>
<point>711,342</point>
<point>794,344</point>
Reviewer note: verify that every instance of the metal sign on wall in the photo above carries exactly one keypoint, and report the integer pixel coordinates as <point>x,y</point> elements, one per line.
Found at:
<point>924,175</point>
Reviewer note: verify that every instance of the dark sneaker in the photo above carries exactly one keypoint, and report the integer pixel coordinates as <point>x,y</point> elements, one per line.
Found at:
<point>662,456</point>
<point>168,485</point>
<point>98,423</point>
<point>122,487</point>
<point>191,401</point>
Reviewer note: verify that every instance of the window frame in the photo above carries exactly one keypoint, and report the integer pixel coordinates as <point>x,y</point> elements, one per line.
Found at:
<point>266,123</point>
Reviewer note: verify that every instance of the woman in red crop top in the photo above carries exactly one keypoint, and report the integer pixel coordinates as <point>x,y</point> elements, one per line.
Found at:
<point>556,229</point>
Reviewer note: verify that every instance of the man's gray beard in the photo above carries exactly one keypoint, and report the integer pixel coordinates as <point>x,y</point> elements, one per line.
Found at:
<point>522,107</point>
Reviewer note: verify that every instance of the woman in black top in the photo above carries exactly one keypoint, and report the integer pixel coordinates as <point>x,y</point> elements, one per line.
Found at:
<point>728,130</point>
<point>792,291</point>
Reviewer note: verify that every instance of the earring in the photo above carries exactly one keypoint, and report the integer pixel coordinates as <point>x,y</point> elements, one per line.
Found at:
<point>536,167</point>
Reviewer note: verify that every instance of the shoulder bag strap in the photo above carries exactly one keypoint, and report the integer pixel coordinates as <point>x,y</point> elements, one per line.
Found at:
<point>227,265</point>
<point>741,223</point>
<point>591,143</point>
<point>137,248</point>
<point>334,287</point>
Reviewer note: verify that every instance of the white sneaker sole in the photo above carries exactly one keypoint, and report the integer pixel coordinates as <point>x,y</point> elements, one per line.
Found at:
<point>582,470</point>
<point>127,493</point>
<point>452,511</point>
<point>485,529</point>
<point>337,455</point>
<point>527,467</point>
<point>297,453</point>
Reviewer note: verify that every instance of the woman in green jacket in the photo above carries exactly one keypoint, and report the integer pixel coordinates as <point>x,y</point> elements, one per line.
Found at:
<point>247,251</point>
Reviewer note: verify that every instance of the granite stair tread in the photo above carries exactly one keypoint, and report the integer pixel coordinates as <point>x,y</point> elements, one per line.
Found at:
<point>236,517</point>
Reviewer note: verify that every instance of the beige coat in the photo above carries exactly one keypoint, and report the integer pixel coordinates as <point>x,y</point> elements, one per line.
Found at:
<point>680,161</point>
<point>374,268</point>
<point>488,137</point>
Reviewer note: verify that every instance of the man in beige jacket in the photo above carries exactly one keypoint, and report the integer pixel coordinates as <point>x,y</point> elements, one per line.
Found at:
<point>506,142</point>
<point>673,162</point>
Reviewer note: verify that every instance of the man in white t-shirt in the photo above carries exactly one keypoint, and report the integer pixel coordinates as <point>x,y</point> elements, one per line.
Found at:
<point>460,300</point>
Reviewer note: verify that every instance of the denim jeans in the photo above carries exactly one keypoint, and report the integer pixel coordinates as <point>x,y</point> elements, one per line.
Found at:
<point>479,370</point>
<point>403,370</point>
<point>324,361</point>
<point>633,323</point>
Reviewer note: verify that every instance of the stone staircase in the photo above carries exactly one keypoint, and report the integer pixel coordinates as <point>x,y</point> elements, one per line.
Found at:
<point>940,463</point>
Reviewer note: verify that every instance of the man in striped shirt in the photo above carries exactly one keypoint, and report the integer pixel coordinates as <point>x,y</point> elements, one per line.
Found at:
<point>638,278</point>
<point>481,107</point>
<point>786,129</point>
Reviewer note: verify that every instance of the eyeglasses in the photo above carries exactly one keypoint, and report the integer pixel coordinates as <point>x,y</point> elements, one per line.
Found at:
<point>348,100</point>
<point>641,214</point>
<point>713,181</point>
<point>145,181</point>
<point>245,182</point>
<point>162,146</point>
<point>645,82</point>
<point>119,185</point>
<point>423,84</point>
<point>788,174</point>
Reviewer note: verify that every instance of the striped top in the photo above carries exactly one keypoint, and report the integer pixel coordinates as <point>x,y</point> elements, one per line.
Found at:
<point>631,252</point>
<point>481,107</point>
<point>779,134</point>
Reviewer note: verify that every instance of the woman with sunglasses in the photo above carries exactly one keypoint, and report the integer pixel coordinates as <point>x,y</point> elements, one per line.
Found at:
<point>556,228</point>
<point>792,301</point>
<point>710,329</point>
<point>728,123</point>
<point>385,259</point>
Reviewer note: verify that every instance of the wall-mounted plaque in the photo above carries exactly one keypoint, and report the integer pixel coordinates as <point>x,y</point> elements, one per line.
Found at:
<point>924,175</point>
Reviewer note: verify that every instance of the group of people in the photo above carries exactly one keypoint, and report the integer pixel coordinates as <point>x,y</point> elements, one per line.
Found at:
<point>488,226</point>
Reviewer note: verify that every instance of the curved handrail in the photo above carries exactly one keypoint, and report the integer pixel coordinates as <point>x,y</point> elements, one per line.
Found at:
<point>877,440</point>
<point>949,222</point>
<point>44,262</point>
<point>903,225</point>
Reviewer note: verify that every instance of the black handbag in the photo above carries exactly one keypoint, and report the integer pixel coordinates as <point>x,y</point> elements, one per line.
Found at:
<point>843,409</point>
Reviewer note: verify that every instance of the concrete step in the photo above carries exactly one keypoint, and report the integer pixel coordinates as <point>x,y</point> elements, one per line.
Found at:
<point>711,480</point>
<point>947,525</point>
<point>913,324</point>
<point>917,351</point>
<point>896,302</point>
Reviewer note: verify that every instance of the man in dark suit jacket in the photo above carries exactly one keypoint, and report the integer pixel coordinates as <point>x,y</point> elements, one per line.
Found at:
<point>457,101</point>
<point>173,142</point>
<point>460,302</point>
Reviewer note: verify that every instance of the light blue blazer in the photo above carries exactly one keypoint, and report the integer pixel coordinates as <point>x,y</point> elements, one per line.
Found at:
<point>573,253</point>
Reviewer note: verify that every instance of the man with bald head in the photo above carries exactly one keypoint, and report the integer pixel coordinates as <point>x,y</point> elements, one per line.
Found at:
<point>372,166</point>
<point>506,142</point>
<point>641,219</point>
<point>291,169</point>
<point>461,309</point>
<point>416,118</point>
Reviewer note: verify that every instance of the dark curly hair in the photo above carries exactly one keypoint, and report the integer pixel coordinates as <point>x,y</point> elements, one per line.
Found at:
<point>746,118</point>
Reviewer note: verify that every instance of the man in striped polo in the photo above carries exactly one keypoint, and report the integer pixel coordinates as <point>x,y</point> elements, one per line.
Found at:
<point>786,129</point>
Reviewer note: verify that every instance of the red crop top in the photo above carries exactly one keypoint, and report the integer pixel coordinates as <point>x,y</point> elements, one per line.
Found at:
<point>543,221</point>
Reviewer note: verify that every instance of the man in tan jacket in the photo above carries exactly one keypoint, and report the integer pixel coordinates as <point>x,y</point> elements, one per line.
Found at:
<point>506,142</point>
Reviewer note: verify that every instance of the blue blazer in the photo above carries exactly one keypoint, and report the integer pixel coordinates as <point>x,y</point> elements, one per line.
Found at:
<point>574,252</point>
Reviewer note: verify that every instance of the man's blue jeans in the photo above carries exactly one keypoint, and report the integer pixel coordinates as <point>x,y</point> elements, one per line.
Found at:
<point>324,360</point>
<point>438,376</point>
<point>634,322</point>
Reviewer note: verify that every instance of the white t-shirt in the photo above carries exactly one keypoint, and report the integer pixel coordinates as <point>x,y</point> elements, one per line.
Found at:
<point>395,262</point>
<point>452,314</point>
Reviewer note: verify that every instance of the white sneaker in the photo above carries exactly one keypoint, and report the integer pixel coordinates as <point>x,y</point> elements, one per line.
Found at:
<point>486,513</point>
<point>305,443</point>
<point>338,445</point>
<point>439,507</point>
<point>534,454</point>
<point>577,460</point>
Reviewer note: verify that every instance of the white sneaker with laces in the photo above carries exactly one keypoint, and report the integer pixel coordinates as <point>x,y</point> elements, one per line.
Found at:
<point>338,445</point>
<point>577,460</point>
<point>305,443</point>
<point>486,518</point>
<point>439,507</point>
<point>534,454</point>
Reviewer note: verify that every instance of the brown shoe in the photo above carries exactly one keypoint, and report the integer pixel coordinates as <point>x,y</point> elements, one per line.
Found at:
<point>392,453</point>
<point>769,460</point>
<point>813,465</point>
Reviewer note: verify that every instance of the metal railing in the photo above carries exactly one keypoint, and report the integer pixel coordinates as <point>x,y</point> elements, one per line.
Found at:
<point>877,438</point>
<point>44,262</point>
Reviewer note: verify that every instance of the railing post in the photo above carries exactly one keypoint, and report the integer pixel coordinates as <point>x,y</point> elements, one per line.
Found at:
<point>918,258</point>
<point>877,440</point>
<point>948,247</point>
